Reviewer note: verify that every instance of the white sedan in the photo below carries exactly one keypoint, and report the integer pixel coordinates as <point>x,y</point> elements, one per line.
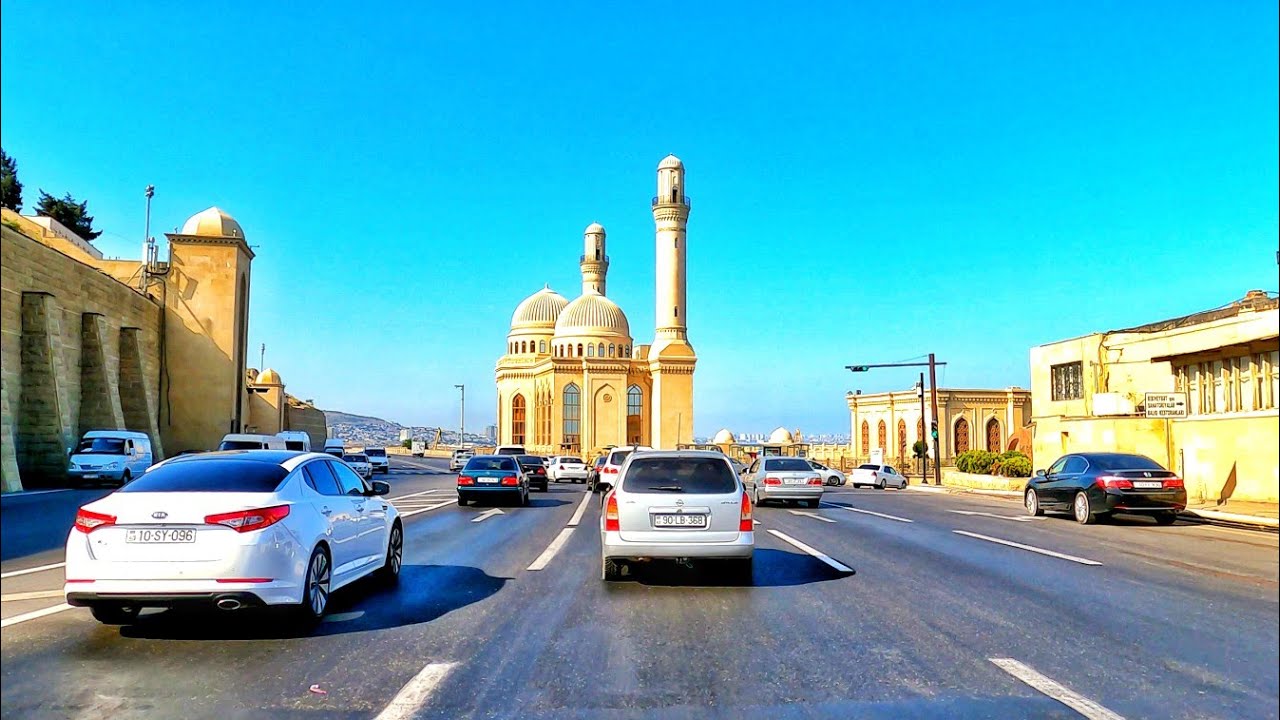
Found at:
<point>567,467</point>
<point>830,475</point>
<point>360,463</point>
<point>877,476</point>
<point>232,530</point>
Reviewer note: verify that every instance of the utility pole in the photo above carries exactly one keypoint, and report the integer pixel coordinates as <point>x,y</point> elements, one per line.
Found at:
<point>924,469</point>
<point>462,416</point>
<point>933,391</point>
<point>146,239</point>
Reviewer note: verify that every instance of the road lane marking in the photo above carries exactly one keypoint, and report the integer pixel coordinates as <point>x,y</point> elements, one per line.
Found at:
<point>33,615</point>
<point>487,514</point>
<point>869,512</point>
<point>35,595</point>
<point>415,693</point>
<point>1055,690</point>
<point>549,554</point>
<point>413,495</point>
<point>28,571</point>
<point>815,516</point>
<point>411,513</point>
<point>582,508</point>
<point>839,566</point>
<point>754,522</point>
<point>1015,518</point>
<point>1032,548</point>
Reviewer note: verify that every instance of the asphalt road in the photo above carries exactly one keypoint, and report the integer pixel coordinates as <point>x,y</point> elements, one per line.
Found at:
<point>1128,619</point>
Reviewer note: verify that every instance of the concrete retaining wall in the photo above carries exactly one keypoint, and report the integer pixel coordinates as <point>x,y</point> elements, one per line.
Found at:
<point>955,478</point>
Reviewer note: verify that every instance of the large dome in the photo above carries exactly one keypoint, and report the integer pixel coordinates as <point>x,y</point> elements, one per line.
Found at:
<point>212,223</point>
<point>539,310</point>
<point>781,436</point>
<point>724,437</point>
<point>592,314</point>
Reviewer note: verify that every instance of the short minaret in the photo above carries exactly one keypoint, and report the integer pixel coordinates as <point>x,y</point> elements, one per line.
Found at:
<point>671,358</point>
<point>594,263</point>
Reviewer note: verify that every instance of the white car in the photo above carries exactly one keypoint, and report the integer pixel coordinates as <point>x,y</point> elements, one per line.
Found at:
<point>232,530</point>
<point>459,458</point>
<point>789,479</point>
<point>830,475</point>
<point>567,467</point>
<point>360,463</point>
<point>877,476</point>
<point>676,505</point>
<point>378,459</point>
<point>608,474</point>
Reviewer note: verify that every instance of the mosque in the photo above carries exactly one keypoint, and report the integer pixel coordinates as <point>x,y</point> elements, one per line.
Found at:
<point>572,381</point>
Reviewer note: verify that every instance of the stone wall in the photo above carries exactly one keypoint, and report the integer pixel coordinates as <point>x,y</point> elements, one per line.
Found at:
<point>300,416</point>
<point>80,352</point>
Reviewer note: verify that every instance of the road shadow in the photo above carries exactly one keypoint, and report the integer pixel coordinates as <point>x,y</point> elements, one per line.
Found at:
<point>535,501</point>
<point>424,593</point>
<point>773,568</point>
<point>30,524</point>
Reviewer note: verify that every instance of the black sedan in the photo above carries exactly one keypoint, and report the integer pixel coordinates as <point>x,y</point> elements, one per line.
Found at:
<point>1091,486</point>
<point>535,468</point>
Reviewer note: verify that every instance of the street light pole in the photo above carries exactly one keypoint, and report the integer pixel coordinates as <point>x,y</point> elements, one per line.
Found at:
<point>924,468</point>
<point>933,392</point>
<point>462,416</point>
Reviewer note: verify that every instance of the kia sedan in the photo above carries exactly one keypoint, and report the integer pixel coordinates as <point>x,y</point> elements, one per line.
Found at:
<point>232,530</point>
<point>676,505</point>
<point>783,478</point>
<point>1093,486</point>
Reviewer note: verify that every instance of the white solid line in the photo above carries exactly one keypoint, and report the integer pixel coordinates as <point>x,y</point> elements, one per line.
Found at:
<point>34,614</point>
<point>869,512</point>
<point>815,516</point>
<point>1015,518</point>
<point>28,571</point>
<point>1032,548</point>
<point>582,508</point>
<point>487,514</point>
<point>411,495</point>
<point>411,513</point>
<point>821,556</point>
<point>36,595</point>
<point>547,555</point>
<point>1055,690</point>
<point>415,693</point>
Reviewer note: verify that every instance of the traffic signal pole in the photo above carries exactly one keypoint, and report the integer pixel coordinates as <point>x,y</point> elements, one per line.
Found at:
<point>933,392</point>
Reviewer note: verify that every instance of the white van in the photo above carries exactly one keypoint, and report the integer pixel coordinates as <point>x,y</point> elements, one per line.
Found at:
<point>111,456</point>
<point>510,450</point>
<point>295,440</point>
<point>245,441</point>
<point>335,446</point>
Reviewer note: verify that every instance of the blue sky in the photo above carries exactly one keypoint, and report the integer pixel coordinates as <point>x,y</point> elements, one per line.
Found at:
<point>871,181</point>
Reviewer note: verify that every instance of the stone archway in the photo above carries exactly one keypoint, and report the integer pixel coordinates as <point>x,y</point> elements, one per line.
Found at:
<point>961,437</point>
<point>993,435</point>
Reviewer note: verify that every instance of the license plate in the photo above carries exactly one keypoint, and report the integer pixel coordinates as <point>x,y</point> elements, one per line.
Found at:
<point>90,476</point>
<point>488,481</point>
<point>795,481</point>
<point>1148,484</point>
<point>689,521</point>
<point>165,535</point>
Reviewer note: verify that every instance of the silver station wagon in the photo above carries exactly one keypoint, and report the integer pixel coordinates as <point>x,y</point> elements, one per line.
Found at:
<point>677,505</point>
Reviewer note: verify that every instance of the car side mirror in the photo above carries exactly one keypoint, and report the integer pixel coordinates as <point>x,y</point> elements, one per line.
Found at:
<point>380,487</point>
<point>1040,473</point>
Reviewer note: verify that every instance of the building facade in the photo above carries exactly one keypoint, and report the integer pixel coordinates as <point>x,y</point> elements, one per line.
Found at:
<point>1223,364</point>
<point>572,379</point>
<point>968,419</point>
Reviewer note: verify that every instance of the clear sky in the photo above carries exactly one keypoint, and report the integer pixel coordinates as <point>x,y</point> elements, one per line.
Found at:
<point>870,181</point>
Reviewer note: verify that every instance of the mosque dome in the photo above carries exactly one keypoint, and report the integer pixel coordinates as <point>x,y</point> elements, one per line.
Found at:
<point>539,310</point>
<point>212,223</point>
<point>268,377</point>
<point>671,161</point>
<point>724,437</point>
<point>781,436</point>
<point>592,314</point>
<point>594,229</point>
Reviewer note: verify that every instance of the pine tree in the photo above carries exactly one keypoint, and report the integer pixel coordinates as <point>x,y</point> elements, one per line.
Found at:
<point>10,187</point>
<point>74,215</point>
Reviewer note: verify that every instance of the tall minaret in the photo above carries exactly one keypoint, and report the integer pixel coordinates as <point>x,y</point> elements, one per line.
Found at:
<point>671,358</point>
<point>595,263</point>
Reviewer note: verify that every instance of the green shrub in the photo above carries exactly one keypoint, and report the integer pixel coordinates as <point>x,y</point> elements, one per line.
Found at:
<point>1018,465</point>
<point>978,462</point>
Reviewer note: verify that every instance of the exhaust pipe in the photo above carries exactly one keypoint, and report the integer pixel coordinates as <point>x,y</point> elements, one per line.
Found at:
<point>228,604</point>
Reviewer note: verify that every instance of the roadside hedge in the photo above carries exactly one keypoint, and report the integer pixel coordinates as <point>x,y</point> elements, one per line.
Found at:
<point>984,462</point>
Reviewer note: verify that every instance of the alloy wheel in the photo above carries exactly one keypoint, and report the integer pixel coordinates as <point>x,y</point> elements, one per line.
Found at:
<point>1032,502</point>
<point>397,550</point>
<point>1082,507</point>
<point>318,588</point>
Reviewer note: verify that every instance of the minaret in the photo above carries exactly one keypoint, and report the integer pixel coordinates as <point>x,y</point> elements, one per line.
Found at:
<point>671,359</point>
<point>594,263</point>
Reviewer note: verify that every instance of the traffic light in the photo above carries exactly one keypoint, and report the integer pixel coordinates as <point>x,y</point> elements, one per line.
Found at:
<point>933,429</point>
<point>859,368</point>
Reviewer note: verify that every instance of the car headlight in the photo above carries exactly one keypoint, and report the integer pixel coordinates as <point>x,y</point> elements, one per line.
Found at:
<point>113,466</point>
<point>75,466</point>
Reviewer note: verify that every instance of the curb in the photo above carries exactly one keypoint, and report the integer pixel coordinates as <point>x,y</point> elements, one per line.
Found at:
<point>1256,521</point>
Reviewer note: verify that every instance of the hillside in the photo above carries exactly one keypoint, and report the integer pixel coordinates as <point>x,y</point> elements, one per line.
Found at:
<point>368,430</point>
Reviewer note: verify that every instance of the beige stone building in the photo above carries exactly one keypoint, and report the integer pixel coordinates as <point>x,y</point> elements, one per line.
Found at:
<point>573,381</point>
<point>968,419</point>
<point>1224,364</point>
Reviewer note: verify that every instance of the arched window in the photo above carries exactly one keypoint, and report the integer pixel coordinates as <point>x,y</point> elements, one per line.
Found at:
<point>902,438</point>
<point>591,350</point>
<point>866,439</point>
<point>610,349</point>
<point>579,349</point>
<point>993,435</point>
<point>600,350</point>
<point>517,420</point>
<point>961,437</point>
<point>635,415</point>
<point>542,346</point>
<point>572,417</point>
<point>882,433</point>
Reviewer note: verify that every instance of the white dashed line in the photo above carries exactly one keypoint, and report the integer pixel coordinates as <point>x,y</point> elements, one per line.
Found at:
<point>33,615</point>
<point>36,595</point>
<point>815,516</point>
<point>582,508</point>
<point>415,693</point>
<point>1055,690</point>
<point>413,495</point>
<point>821,556</point>
<point>416,511</point>
<point>1031,548</point>
<point>1015,518</point>
<point>28,571</point>
<point>869,512</point>
<point>549,554</point>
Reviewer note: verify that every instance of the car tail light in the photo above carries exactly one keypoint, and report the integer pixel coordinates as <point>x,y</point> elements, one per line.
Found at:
<point>1173,482</point>
<point>611,514</point>
<point>1113,482</point>
<point>815,481</point>
<point>540,471</point>
<point>243,580</point>
<point>745,522</point>
<point>88,521</point>
<point>250,520</point>
<point>608,470</point>
<point>772,481</point>
<point>510,481</point>
<point>466,480</point>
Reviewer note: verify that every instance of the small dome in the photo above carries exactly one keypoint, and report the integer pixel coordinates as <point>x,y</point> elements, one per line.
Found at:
<point>539,310</point>
<point>268,377</point>
<point>724,437</point>
<point>592,314</point>
<point>594,229</point>
<point>781,436</point>
<point>212,223</point>
<point>671,161</point>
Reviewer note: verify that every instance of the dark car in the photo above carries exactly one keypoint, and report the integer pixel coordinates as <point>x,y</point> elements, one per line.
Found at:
<point>535,468</point>
<point>1091,486</point>
<point>593,472</point>
<point>490,475</point>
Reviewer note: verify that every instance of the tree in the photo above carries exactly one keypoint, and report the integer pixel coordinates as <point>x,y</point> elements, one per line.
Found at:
<point>10,188</point>
<point>74,215</point>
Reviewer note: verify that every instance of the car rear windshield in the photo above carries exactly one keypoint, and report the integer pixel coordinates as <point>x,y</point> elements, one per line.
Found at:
<point>101,446</point>
<point>1123,462</point>
<point>240,445</point>
<point>530,460</point>
<point>786,465</point>
<point>210,475</point>
<point>618,456</point>
<point>376,452</point>
<point>868,467</point>
<point>675,475</point>
<point>294,445</point>
<point>489,463</point>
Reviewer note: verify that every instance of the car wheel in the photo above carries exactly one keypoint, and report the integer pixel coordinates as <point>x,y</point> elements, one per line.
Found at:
<point>125,478</point>
<point>395,555</point>
<point>880,485</point>
<point>1166,518</point>
<point>112,614</point>
<point>610,571</point>
<point>524,499</point>
<point>315,589</point>
<point>1083,514</point>
<point>1032,503</point>
<point>759,501</point>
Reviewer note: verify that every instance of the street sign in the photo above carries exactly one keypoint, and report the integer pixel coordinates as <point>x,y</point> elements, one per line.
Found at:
<point>1166,405</point>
